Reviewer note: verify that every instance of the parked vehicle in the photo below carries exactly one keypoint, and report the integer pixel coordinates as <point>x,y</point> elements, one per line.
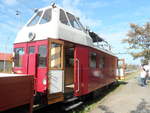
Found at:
<point>16,91</point>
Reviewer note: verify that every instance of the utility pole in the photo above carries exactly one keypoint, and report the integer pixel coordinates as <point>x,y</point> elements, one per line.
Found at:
<point>5,47</point>
<point>18,14</point>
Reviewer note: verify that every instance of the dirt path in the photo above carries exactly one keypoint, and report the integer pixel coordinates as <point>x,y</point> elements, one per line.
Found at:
<point>128,98</point>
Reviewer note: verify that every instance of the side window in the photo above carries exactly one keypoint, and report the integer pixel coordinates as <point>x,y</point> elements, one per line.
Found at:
<point>18,57</point>
<point>101,62</point>
<point>93,60</point>
<point>56,50</point>
<point>63,18</point>
<point>42,55</point>
<point>73,21</point>
<point>31,49</point>
<point>46,17</point>
<point>81,25</point>
<point>35,19</point>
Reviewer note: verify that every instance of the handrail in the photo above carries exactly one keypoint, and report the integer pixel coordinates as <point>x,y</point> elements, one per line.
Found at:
<point>78,62</point>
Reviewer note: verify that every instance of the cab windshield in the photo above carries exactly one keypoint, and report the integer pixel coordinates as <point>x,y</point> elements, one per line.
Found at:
<point>41,17</point>
<point>36,18</point>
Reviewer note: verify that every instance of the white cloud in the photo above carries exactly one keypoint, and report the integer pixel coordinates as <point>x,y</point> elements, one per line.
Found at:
<point>92,23</point>
<point>96,4</point>
<point>10,2</point>
<point>73,8</point>
<point>115,40</point>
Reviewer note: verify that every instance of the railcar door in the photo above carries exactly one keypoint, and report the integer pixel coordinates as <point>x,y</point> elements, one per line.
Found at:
<point>42,53</point>
<point>56,67</point>
<point>80,70</point>
<point>31,65</point>
<point>37,63</point>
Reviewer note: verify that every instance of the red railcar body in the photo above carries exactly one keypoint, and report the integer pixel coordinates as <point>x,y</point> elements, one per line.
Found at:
<point>86,77</point>
<point>63,57</point>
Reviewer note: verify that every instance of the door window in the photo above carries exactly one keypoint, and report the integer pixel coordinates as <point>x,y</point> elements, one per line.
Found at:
<point>56,55</point>
<point>31,50</point>
<point>42,56</point>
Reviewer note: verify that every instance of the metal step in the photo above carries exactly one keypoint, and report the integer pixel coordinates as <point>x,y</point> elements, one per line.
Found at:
<point>71,99</point>
<point>68,95</point>
<point>67,108</point>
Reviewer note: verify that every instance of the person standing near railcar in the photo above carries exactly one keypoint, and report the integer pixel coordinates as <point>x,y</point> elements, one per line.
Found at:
<point>147,69</point>
<point>143,75</point>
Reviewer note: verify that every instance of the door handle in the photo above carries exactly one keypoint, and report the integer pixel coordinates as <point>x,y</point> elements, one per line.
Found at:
<point>78,74</point>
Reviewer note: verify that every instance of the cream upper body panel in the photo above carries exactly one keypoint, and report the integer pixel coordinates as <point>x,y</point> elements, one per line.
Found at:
<point>55,29</point>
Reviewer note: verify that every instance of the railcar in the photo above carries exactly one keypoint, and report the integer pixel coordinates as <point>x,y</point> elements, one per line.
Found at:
<point>65,59</point>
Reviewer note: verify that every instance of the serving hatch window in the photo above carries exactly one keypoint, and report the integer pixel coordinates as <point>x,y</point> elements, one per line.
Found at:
<point>18,57</point>
<point>36,18</point>
<point>46,17</point>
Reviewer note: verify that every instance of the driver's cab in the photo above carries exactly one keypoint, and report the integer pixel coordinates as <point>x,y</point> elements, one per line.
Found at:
<point>54,22</point>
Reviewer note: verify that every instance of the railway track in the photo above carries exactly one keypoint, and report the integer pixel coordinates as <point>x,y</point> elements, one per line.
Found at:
<point>87,102</point>
<point>55,108</point>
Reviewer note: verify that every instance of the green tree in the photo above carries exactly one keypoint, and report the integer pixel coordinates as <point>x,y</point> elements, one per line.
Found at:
<point>138,38</point>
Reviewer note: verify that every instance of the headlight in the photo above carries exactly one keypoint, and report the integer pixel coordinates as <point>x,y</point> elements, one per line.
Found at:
<point>31,36</point>
<point>44,81</point>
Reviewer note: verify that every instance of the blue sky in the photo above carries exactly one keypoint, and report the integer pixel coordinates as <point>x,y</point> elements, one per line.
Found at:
<point>109,18</point>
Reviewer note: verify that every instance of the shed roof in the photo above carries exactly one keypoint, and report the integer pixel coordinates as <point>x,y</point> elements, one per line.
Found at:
<point>5,56</point>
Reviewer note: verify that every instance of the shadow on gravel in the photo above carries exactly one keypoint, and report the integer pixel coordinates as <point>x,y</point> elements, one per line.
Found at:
<point>105,108</point>
<point>142,107</point>
<point>122,82</point>
<point>86,107</point>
